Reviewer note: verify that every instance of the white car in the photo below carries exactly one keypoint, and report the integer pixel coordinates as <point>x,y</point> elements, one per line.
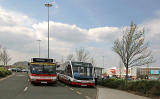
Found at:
<point>25,70</point>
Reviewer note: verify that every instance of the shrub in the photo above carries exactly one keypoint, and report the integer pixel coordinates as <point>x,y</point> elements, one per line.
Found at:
<point>145,87</point>
<point>4,72</point>
<point>142,86</point>
<point>112,83</point>
<point>155,89</point>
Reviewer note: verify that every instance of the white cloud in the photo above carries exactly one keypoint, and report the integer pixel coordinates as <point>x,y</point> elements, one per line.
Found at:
<point>60,31</point>
<point>104,33</point>
<point>11,18</point>
<point>153,30</point>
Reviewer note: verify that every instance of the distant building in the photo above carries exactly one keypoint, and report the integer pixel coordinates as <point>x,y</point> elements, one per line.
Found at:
<point>99,71</point>
<point>148,72</point>
<point>135,72</point>
<point>112,71</point>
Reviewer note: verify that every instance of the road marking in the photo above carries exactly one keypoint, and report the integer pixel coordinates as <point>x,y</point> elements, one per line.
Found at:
<point>25,89</point>
<point>20,75</point>
<point>71,88</point>
<point>78,92</point>
<point>28,80</point>
<point>87,97</point>
<point>97,93</point>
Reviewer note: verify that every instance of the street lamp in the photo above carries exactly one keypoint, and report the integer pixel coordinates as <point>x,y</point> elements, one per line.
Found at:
<point>39,47</point>
<point>48,5</point>
<point>103,60</point>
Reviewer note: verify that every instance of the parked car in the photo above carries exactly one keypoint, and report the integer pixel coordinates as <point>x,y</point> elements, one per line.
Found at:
<point>25,70</point>
<point>10,69</point>
<point>15,69</point>
<point>18,70</point>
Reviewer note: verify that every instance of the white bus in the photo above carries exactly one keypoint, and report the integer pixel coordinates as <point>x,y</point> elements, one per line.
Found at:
<point>77,73</point>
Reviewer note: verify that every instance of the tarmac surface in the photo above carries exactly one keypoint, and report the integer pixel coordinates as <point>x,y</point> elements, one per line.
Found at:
<point>18,87</point>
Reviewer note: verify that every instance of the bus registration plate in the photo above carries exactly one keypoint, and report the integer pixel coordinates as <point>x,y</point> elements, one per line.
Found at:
<point>43,82</point>
<point>83,85</point>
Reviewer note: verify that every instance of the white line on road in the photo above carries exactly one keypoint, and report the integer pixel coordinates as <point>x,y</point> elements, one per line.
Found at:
<point>87,97</point>
<point>71,88</point>
<point>20,75</point>
<point>25,89</point>
<point>78,92</point>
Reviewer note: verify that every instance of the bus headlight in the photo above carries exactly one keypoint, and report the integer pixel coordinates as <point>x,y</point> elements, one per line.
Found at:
<point>33,77</point>
<point>75,80</point>
<point>53,78</point>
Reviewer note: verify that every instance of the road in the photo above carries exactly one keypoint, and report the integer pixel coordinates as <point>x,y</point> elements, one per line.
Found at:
<point>18,87</point>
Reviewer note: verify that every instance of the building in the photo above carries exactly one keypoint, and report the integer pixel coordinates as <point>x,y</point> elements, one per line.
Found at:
<point>135,72</point>
<point>99,71</point>
<point>121,72</point>
<point>148,73</point>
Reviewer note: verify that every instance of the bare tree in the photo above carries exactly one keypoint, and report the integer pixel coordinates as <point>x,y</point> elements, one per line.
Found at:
<point>62,59</point>
<point>92,60</point>
<point>5,57</point>
<point>121,68</point>
<point>132,49</point>
<point>82,55</point>
<point>70,57</point>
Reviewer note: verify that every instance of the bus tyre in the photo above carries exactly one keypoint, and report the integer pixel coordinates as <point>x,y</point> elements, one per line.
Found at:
<point>69,82</point>
<point>32,83</point>
<point>57,77</point>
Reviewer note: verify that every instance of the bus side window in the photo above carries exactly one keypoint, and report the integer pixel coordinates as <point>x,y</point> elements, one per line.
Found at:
<point>65,71</point>
<point>69,73</point>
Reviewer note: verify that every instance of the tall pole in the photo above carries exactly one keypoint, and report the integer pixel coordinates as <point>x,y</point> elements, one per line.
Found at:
<point>48,5</point>
<point>103,60</point>
<point>39,48</point>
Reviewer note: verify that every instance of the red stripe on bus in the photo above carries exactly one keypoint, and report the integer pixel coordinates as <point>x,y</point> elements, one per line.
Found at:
<point>43,79</point>
<point>77,83</point>
<point>51,75</point>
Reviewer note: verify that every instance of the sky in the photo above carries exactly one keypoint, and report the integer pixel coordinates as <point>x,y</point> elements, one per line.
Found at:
<point>89,24</point>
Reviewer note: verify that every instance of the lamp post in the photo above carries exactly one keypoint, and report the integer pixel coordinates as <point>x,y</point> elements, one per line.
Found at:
<point>48,5</point>
<point>103,60</point>
<point>39,47</point>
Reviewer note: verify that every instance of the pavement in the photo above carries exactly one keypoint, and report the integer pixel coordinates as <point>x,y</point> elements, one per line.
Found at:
<point>18,87</point>
<point>107,93</point>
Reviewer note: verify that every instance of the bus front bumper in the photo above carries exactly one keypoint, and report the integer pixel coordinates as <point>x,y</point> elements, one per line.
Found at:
<point>82,84</point>
<point>34,79</point>
<point>43,81</point>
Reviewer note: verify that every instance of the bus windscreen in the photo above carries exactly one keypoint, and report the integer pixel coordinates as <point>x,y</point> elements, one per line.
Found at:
<point>82,70</point>
<point>43,69</point>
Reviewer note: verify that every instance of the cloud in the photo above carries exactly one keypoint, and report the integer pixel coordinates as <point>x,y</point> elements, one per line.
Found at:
<point>11,18</point>
<point>153,37</point>
<point>62,32</point>
<point>104,33</point>
<point>152,29</point>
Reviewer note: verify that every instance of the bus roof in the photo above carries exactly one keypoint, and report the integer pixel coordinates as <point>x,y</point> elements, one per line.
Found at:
<point>43,60</point>
<point>42,63</point>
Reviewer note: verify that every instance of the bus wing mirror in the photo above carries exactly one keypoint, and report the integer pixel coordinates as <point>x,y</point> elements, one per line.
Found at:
<point>29,64</point>
<point>58,66</point>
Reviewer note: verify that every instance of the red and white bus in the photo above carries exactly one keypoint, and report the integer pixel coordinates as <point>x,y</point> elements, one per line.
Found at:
<point>42,70</point>
<point>77,73</point>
